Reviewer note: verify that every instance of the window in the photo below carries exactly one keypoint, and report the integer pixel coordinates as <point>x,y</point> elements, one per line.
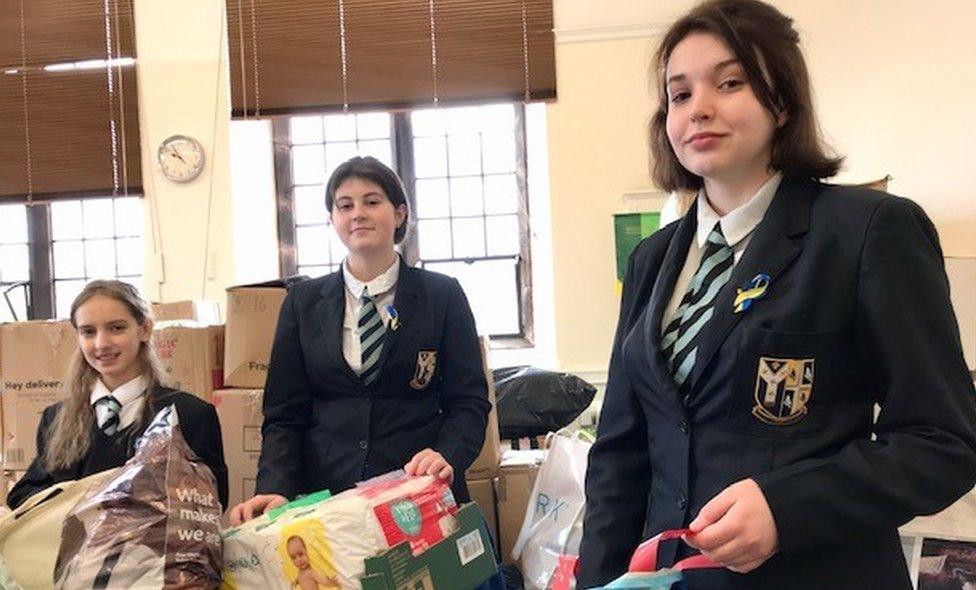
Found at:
<point>48,252</point>
<point>14,263</point>
<point>94,239</point>
<point>464,171</point>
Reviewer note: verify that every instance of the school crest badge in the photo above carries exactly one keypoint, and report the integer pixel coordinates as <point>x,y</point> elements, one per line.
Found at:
<point>423,374</point>
<point>783,390</point>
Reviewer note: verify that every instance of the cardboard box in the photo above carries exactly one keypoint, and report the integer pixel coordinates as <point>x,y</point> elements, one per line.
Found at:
<point>516,476</point>
<point>252,316</point>
<point>483,494</point>
<point>485,465</point>
<point>462,561</point>
<point>962,290</point>
<point>191,356</point>
<point>200,310</point>
<point>239,412</point>
<point>35,363</point>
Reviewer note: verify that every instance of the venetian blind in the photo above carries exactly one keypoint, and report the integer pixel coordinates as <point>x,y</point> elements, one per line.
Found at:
<point>294,56</point>
<point>70,123</point>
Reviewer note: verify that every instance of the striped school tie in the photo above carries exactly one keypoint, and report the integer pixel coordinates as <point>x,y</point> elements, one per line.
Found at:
<point>371,330</point>
<point>107,411</point>
<point>680,341</point>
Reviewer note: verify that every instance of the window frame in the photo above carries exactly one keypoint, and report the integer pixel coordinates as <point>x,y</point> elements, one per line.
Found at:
<point>403,159</point>
<point>41,292</point>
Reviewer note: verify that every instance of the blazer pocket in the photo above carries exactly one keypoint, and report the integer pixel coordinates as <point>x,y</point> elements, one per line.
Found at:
<point>783,382</point>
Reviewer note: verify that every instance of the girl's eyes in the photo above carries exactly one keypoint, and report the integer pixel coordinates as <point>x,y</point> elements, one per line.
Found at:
<point>731,84</point>
<point>679,97</point>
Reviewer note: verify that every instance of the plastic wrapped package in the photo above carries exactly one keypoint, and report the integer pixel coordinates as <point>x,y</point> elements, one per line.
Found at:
<point>534,402</point>
<point>153,524</point>
<point>325,544</point>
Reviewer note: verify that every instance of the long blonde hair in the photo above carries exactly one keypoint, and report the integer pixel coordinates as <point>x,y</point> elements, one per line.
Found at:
<point>70,433</point>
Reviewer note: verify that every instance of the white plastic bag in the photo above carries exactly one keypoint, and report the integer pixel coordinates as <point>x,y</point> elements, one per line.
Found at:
<point>553,524</point>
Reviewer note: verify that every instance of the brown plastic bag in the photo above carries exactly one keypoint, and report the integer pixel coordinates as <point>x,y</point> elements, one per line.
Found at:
<point>154,525</point>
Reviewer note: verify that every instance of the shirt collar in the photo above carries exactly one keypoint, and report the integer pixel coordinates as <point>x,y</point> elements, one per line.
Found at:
<point>124,394</point>
<point>741,221</point>
<point>381,284</point>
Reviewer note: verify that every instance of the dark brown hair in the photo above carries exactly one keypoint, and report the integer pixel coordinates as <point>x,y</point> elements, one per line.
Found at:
<point>766,44</point>
<point>371,169</point>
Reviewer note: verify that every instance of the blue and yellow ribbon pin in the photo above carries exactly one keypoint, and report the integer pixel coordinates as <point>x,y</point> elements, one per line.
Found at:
<point>752,290</point>
<point>394,318</point>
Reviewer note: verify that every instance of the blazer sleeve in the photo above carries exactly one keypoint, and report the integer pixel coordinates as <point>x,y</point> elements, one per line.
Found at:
<point>464,391</point>
<point>202,433</point>
<point>618,474</point>
<point>924,454</point>
<point>287,408</point>
<point>37,476</point>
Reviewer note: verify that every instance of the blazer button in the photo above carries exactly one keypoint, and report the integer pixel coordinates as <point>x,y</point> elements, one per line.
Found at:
<point>363,444</point>
<point>683,426</point>
<point>682,502</point>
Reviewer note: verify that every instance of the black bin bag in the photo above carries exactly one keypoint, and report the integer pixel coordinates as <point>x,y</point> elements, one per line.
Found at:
<point>533,401</point>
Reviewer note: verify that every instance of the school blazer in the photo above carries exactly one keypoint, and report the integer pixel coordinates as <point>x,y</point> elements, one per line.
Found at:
<point>323,428</point>
<point>198,423</point>
<point>856,313</point>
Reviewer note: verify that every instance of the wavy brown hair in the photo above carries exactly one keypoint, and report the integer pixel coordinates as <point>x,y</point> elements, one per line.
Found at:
<point>69,435</point>
<point>764,41</point>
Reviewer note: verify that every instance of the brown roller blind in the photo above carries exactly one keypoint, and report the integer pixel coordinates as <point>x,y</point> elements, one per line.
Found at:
<point>68,98</point>
<point>293,56</point>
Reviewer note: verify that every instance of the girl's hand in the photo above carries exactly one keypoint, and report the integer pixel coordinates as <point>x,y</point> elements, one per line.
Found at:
<point>256,506</point>
<point>736,528</point>
<point>430,462</point>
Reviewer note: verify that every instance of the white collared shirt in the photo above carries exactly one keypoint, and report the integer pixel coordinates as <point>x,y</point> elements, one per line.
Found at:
<point>382,289</point>
<point>737,225</point>
<point>130,395</point>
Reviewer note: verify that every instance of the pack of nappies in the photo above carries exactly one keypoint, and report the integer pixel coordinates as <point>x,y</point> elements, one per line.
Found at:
<point>324,544</point>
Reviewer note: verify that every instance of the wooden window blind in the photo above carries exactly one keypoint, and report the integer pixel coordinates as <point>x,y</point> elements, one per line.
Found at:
<point>301,56</point>
<point>70,123</point>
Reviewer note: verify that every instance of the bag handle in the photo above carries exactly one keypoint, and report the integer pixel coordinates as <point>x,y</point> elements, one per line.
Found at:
<point>645,556</point>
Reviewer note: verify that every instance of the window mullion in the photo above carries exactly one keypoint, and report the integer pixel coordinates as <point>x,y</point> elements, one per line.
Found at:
<point>41,302</point>
<point>284,197</point>
<point>404,163</point>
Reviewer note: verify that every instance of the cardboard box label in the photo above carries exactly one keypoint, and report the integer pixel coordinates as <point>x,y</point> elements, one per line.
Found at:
<point>35,363</point>
<point>252,317</point>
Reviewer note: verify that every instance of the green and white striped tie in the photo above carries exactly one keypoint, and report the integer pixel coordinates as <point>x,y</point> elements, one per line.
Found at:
<point>680,341</point>
<point>371,331</point>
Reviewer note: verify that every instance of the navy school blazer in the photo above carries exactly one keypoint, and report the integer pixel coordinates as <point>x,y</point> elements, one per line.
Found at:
<point>856,313</point>
<point>198,423</point>
<point>323,428</point>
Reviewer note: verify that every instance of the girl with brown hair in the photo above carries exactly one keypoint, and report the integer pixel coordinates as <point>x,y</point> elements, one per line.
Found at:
<point>758,333</point>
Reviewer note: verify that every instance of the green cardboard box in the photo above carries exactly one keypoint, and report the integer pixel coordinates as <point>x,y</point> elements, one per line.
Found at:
<point>462,561</point>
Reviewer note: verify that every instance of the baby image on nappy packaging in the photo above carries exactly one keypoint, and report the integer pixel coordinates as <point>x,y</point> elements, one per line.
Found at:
<point>307,559</point>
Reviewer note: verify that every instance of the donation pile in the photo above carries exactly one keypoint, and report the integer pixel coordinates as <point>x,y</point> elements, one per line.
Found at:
<point>154,523</point>
<point>324,542</point>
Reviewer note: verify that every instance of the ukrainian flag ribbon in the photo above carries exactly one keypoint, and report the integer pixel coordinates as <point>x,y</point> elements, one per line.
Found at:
<point>752,290</point>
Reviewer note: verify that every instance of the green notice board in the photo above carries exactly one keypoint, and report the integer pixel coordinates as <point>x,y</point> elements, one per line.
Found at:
<point>628,230</point>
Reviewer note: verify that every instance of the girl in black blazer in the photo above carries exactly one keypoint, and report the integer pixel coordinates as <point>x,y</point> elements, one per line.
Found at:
<point>757,334</point>
<point>375,367</point>
<point>114,391</point>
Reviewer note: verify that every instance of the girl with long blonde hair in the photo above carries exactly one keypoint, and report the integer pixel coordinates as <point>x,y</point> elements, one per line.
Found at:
<point>112,391</point>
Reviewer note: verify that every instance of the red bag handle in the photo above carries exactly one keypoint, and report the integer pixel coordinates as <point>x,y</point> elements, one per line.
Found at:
<point>645,556</point>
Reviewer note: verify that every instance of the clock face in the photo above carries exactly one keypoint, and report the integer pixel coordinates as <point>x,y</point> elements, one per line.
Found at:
<point>181,158</point>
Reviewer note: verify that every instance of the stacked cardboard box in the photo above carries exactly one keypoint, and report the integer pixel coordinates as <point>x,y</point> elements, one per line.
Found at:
<point>35,363</point>
<point>239,412</point>
<point>191,356</point>
<point>203,311</point>
<point>252,316</point>
<point>482,476</point>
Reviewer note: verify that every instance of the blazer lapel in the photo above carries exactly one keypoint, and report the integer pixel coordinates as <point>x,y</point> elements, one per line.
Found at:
<point>674,261</point>
<point>330,312</point>
<point>775,244</point>
<point>405,304</point>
